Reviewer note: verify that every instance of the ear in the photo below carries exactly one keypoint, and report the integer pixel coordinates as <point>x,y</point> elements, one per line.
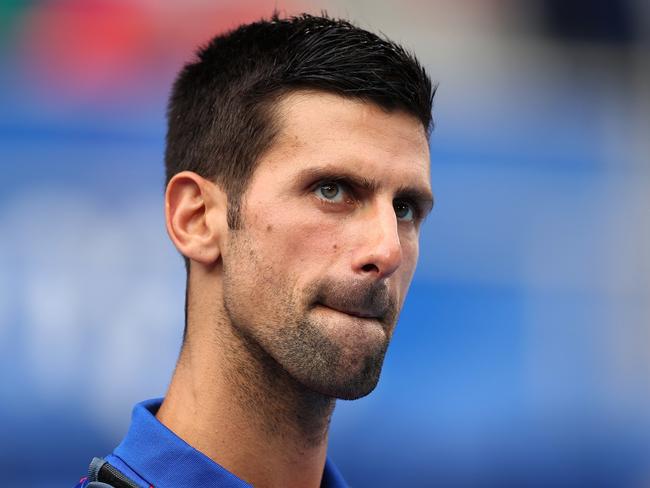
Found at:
<point>195,215</point>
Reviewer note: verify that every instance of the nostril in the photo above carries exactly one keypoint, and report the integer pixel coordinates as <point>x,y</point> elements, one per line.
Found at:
<point>370,268</point>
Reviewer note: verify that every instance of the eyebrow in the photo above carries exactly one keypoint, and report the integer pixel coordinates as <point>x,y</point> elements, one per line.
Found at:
<point>419,194</point>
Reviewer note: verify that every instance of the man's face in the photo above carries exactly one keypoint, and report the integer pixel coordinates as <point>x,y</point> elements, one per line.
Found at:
<point>319,270</point>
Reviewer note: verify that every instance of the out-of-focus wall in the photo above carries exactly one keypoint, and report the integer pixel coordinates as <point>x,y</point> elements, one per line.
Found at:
<point>522,357</point>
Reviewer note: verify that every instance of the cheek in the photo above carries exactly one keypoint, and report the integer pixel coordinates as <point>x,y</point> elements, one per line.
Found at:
<point>410,250</point>
<point>311,244</point>
<point>299,242</point>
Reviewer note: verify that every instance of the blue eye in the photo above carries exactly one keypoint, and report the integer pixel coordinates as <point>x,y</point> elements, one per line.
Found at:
<point>404,211</point>
<point>330,191</point>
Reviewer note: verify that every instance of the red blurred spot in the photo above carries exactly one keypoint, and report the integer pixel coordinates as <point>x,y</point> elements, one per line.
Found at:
<point>86,48</point>
<point>102,50</point>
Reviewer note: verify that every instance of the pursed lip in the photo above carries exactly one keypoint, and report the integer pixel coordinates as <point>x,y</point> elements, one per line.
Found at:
<point>363,314</point>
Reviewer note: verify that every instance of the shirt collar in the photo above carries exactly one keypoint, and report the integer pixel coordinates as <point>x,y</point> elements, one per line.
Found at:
<point>165,460</point>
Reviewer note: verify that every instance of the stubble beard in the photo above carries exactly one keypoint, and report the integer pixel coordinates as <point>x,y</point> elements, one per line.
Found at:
<point>320,364</point>
<point>287,337</point>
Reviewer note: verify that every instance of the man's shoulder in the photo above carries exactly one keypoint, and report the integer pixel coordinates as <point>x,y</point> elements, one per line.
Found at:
<point>152,455</point>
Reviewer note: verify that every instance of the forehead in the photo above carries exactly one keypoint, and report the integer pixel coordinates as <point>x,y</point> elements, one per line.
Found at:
<point>322,129</point>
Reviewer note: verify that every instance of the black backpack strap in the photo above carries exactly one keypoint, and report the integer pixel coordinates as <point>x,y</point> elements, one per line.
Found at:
<point>101,474</point>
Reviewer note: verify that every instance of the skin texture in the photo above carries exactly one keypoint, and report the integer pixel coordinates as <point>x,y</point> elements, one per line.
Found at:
<point>297,306</point>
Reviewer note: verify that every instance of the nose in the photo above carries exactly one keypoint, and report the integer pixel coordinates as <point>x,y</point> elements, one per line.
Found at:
<point>379,251</point>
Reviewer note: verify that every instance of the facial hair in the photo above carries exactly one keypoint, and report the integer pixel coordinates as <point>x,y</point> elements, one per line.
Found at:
<point>300,340</point>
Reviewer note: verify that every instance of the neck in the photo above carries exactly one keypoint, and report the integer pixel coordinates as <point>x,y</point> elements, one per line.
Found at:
<point>234,403</point>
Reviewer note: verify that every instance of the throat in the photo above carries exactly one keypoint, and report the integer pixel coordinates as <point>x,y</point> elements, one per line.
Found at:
<point>231,401</point>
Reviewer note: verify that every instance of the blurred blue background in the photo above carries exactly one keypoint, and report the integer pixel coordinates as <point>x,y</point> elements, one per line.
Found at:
<point>522,358</point>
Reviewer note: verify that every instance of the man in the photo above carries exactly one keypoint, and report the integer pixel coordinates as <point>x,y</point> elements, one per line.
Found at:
<point>297,179</point>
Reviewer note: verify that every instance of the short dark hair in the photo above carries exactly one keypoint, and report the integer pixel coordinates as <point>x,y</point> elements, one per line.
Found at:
<point>220,113</point>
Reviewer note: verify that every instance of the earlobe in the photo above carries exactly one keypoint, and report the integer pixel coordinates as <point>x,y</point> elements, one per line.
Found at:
<point>195,216</point>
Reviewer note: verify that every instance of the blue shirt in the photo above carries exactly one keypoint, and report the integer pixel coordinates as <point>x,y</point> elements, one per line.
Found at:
<point>154,457</point>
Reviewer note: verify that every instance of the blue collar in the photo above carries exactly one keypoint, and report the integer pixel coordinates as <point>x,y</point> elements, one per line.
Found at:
<point>154,456</point>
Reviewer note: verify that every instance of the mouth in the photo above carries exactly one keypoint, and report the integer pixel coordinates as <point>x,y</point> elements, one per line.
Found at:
<point>360,314</point>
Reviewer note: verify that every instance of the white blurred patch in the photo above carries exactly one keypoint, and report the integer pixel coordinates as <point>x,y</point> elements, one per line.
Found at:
<point>97,293</point>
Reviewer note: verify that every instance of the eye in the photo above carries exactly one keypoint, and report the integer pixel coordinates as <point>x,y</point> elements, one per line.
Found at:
<point>330,191</point>
<point>404,210</point>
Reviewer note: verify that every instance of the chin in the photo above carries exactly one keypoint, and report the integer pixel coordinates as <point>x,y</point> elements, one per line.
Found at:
<point>355,392</point>
<point>335,358</point>
<point>347,383</point>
